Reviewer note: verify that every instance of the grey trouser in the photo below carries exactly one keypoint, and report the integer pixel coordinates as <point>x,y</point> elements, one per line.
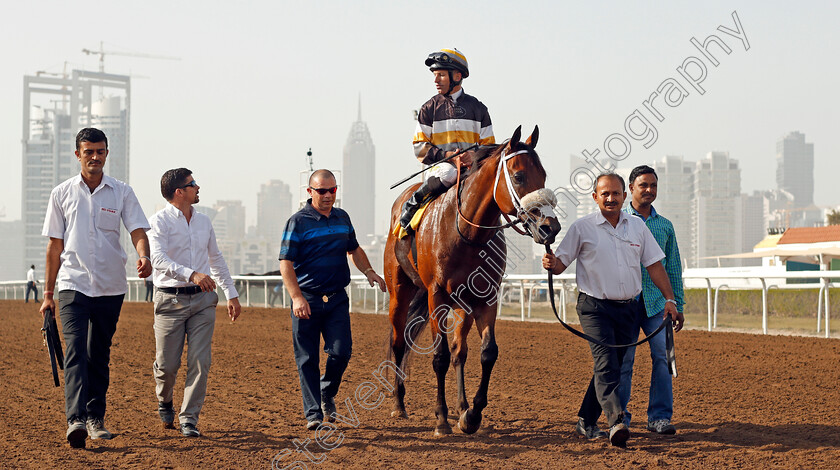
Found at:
<point>191,317</point>
<point>89,324</point>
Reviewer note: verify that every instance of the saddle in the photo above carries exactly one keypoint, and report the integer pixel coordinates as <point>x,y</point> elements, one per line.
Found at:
<point>400,232</point>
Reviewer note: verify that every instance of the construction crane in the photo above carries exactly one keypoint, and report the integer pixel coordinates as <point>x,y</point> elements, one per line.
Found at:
<point>102,52</point>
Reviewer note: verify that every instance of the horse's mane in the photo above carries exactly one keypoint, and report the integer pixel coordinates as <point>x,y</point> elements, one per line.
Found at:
<point>484,153</point>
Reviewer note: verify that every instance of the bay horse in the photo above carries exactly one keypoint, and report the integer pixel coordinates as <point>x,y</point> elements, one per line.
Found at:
<point>456,261</point>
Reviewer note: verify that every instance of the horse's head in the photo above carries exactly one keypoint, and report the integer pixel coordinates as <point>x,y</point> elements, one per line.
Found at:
<point>520,188</point>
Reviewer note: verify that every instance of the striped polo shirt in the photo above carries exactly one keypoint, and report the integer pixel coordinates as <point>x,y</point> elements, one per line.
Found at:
<point>318,245</point>
<point>451,123</point>
<point>663,231</point>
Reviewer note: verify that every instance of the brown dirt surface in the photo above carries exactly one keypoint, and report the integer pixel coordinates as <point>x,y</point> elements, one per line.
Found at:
<point>741,401</point>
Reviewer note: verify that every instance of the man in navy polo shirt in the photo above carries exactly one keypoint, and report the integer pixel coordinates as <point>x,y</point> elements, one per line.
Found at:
<point>313,262</point>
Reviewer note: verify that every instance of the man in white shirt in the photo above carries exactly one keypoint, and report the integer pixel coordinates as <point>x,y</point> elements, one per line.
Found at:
<point>185,256</point>
<point>610,247</point>
<point>31,284</point>
<point>83,223</point>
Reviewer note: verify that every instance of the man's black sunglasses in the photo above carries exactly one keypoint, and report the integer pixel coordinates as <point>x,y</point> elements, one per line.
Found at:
<point>192,183</point>
<point>323,191</point>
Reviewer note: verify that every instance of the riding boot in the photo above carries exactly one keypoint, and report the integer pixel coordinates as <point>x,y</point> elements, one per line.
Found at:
<point>432,187</point>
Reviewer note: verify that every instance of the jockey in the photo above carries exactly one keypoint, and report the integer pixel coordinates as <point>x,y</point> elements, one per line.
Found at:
<point>449,121</point>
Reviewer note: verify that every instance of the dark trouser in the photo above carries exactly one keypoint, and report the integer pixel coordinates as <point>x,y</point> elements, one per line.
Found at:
<point>150,292</point>
<point>332,320</point>
<point>31,286</point>
<point>89,324</point>
<point>613,323</point>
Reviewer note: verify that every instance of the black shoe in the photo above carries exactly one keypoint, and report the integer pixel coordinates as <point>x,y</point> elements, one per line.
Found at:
<point>189,430</point>
<point>589,432</point>
<point>76,433</point>
<point>167,414</point>
<point>427,191</point>
<point>328,408</point>
<point>619,435</point>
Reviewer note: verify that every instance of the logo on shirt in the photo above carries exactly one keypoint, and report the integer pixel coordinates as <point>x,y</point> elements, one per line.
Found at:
<point>110,211</point>
<point>636,245</point>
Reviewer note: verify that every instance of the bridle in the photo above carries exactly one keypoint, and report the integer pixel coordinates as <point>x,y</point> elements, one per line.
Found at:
<point>521,209</point>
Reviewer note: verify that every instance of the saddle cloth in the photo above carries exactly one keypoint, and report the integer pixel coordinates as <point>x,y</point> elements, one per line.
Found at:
<point>400,232</point>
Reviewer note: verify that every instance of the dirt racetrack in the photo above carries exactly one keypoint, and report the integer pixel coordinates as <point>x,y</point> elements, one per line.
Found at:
<point>741,401</point>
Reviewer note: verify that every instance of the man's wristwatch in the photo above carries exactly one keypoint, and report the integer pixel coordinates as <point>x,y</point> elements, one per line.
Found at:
<point>671,300</point>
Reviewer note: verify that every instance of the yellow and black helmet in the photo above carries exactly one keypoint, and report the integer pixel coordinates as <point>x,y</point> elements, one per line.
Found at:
<point>448,59</point>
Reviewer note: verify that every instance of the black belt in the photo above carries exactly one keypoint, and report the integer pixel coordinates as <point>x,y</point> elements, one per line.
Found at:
<point>189,290</point>
<point>325,296</point>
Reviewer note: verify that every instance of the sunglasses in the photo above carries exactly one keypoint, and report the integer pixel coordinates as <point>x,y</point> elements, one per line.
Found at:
<point>192,183</point>
<point>323,191</point>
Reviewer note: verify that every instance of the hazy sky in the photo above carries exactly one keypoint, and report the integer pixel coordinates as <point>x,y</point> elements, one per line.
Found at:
<point>259,83</point>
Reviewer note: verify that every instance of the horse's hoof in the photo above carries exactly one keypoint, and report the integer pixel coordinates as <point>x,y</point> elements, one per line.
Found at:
<point>443,430</point>
<point>465,426</point>
<point>399,414</point>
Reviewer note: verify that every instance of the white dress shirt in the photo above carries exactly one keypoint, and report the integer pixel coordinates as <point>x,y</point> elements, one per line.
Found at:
<point>30,275</point>
<point>180,248</point>
<point>93,262</point>
<point>609,258</point>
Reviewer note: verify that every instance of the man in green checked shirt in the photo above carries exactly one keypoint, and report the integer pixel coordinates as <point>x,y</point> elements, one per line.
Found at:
<point>643,187</point>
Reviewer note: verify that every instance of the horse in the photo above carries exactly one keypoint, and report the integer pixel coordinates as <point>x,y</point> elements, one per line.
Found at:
<point>455,260</point>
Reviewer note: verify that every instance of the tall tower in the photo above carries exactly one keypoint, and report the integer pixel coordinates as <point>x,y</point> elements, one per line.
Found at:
<point>795,168</point>
<point>359,175</point>
<point>274,206</point>
<point>54,109</point>
<point>675,195</point>
<point>717,208</point>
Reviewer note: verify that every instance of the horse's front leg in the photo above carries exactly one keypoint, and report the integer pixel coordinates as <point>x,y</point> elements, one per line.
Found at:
<point>461,324</point>
<point>470,420</point>
<point>440,364</point>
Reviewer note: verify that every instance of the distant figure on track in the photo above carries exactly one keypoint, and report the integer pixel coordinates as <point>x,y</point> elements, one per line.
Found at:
<point>31,284</point>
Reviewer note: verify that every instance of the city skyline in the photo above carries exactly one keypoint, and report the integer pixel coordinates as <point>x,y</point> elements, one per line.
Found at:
<point>232,113</point>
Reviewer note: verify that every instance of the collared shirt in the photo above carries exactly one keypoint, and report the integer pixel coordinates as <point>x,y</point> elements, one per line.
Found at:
<point>609,258</point>
<point>666,237</point>
<point>179,249</point>
<point>451,123</point>
<point>93,262</point>
<point>30,275</point>
<point>318,245</point>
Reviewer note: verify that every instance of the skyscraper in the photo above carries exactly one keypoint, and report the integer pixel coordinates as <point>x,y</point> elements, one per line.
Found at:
<point>717,207</point>
<point>274,206</point>
<point>675,196</point>
<point>359,175</point>
<point>54,109</point>
<point>795,168</point>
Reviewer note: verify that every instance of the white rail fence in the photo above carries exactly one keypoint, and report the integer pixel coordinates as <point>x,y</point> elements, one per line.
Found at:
<point>259,291</point>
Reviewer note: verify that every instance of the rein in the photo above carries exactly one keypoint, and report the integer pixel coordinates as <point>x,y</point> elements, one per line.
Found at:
<point>669,345</point>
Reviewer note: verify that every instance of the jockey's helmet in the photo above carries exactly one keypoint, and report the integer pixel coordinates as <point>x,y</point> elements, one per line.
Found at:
<point>448,59</point>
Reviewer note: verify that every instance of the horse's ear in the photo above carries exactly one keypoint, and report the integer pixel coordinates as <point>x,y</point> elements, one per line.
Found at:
<point>534,137</point>
<point>514,139</point>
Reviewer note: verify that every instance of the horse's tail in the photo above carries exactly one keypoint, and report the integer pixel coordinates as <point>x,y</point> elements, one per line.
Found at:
<point>416,320</point>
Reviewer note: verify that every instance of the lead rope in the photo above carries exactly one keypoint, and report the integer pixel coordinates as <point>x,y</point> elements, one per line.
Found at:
<point>665,322</point>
